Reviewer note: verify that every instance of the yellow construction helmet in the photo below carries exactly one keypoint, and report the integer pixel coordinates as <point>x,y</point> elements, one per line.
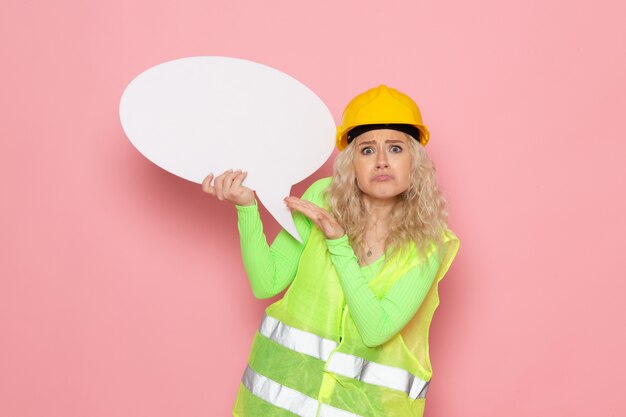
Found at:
<point>381,108</point>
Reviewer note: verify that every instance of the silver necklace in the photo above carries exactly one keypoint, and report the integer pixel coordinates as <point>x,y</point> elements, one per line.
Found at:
<point>369,248</point>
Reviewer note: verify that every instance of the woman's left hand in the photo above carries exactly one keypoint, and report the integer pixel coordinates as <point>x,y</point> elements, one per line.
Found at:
<point>323,219</point>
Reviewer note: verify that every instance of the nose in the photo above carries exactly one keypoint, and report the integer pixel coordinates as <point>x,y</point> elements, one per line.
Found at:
<point>381,161</point>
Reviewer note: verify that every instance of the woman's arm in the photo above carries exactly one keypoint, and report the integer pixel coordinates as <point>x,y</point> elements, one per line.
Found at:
<point>269,269</point>
<point>378,320</point>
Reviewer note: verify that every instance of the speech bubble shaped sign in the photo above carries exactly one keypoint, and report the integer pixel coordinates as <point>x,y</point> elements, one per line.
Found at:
<point>196,115</point>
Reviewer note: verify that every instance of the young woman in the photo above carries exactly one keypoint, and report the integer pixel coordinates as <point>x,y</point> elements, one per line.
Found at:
<point>350,336</point>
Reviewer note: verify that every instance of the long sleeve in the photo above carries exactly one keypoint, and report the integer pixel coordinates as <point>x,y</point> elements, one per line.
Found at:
<point>379,319</point>
<point>269,269</point>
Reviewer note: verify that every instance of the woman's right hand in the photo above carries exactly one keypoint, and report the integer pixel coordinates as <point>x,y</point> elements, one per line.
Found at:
<point>228,187</point>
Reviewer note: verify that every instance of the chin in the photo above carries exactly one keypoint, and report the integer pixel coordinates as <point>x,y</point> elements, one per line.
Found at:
<point>383,193</point>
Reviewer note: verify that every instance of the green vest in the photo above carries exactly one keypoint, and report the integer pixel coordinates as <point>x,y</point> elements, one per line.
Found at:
<point>308,358</point>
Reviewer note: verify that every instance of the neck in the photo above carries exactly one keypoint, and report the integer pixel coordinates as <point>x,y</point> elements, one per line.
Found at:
<point>378,210</point>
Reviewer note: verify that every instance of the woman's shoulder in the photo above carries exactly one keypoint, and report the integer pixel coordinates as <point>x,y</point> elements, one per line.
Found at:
<point>447,239</point>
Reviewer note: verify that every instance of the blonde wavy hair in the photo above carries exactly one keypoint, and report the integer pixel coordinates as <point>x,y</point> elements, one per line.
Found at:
<point>421,215</point>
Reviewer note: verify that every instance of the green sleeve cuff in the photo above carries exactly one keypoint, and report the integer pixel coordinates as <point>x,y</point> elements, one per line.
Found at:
<point>340,248</point>
<point>339,241</point>
<point>252,207</point>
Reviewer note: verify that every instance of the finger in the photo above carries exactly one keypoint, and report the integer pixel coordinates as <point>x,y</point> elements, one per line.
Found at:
<point>318,215</point>
<point>236,185</point>
<point>206,182</point>
<point>206,185</point>
<point>312,211</point>
<point>300,206</point>
<point>325,221</point>
<point>296,204</point>
<point>303,205</point>
<point>303,202</point>
<point>295,201</point>
<point>219,184</point>
<point>227,187</point>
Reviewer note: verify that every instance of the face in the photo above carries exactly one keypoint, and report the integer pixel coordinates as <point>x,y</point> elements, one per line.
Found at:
<point>382,162</point>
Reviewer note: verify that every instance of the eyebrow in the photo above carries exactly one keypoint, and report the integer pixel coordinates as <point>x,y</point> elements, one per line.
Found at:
<point>369,142</point>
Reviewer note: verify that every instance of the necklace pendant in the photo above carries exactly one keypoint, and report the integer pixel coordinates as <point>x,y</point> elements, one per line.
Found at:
<point>369,252</point>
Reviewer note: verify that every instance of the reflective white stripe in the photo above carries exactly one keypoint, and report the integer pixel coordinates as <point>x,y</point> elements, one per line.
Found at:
<point>377,374</point>
<point>330,411</point>
<point>342,363</point>
<point>418,390</point>
<point>288,398</point>
<point>296,339</point>
<point>279,395</point>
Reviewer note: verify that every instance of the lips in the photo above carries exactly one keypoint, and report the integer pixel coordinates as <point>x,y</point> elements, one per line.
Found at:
<point>382,178</point>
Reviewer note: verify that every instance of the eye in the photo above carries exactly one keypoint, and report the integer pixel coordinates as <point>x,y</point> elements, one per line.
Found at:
<point>395,148</point>
<point>368,150</point>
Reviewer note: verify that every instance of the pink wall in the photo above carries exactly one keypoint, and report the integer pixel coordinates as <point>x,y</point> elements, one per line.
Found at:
<point>122,292</point>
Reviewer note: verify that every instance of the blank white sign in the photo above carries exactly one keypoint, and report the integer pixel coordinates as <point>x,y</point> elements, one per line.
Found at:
<point>203,114</point>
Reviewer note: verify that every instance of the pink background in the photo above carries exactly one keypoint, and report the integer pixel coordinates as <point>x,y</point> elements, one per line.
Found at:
<point>122,292</point>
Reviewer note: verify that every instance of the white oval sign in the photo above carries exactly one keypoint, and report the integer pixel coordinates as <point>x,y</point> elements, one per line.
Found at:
<point>196,115</point>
